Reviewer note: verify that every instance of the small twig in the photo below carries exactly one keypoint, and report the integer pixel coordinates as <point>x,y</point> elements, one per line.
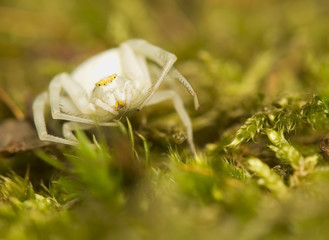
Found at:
<point>11,105</point>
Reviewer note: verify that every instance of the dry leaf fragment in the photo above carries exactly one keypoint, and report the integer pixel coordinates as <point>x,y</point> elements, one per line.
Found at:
<point>17,136</point>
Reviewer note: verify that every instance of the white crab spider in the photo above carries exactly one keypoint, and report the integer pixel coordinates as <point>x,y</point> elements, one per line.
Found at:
<point>108,84</point>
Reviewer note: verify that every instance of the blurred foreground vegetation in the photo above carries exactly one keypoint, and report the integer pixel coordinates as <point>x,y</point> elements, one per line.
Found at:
<point>261,71</point>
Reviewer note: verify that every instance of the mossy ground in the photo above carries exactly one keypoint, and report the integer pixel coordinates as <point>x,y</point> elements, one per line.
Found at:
<point>261,71</point>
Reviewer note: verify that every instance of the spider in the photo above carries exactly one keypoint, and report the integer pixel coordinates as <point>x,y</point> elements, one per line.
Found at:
<point>109,84</point>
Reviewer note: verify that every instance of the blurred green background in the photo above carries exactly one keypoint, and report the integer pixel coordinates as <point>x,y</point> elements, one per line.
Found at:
<point>243,57</point>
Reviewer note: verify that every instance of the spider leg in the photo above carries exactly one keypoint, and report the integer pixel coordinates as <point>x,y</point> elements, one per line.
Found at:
<point>163,58</point>
<point>39,106</point>
<point>69,127</point>
<point>134,65</point>
<point>55,87</point>
<point>178,104</point>
<point>78,100</point>
<point>175,74</point>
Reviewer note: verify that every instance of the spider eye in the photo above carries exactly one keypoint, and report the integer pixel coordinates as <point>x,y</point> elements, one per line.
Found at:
<point>107,80</point>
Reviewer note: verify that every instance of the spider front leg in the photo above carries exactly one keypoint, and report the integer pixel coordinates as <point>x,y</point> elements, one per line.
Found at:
<point>76,107</point>
<point>39,110</point>
<point>163,58</point>
<point>179,106</point>
<point>39,107</point>
<point>77,96</point>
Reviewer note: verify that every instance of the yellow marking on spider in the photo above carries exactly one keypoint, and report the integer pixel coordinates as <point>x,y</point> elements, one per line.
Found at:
<point>119,104</point>
<point>107,80</point>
